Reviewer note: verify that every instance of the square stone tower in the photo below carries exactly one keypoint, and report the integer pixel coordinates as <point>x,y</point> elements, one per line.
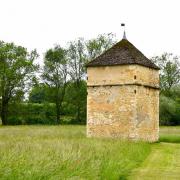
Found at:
<point>123,95</point>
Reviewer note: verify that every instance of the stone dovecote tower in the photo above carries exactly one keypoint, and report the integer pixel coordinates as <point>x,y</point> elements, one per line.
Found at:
<point>123,94</point>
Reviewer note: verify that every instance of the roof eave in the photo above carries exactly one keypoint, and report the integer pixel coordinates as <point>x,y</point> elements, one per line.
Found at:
<point>101,65</point>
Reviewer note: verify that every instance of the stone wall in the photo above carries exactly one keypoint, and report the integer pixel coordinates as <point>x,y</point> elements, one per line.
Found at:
<point>147,114</point>
<point>124,74</point>
<point>117,107</point>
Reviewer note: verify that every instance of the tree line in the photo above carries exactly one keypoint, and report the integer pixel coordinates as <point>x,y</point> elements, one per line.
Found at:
<point>170,88</point>
<point>61,77</point>
<point>56,92</point>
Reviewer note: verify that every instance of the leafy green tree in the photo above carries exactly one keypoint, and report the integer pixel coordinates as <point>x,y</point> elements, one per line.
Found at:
<point>55,75</point>
<point>169,83</point>
<point>79,53</point>
<point>77,61</point>
<point>38,94</point>
<point>16,71</point>
<point>170,70</point>
<point>98,45</point>
<point>71,99</point>
<point>169,110</point>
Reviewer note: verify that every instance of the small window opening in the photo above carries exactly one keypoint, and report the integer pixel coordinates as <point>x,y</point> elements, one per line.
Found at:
<point>134,76</point>
<point>135,91</point>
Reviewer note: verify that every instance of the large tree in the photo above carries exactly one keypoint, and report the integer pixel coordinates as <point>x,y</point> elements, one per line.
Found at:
<point>55,75</point>
<point>98,45</point>
<point>16,71</point>
<point>79,53</point>
<point>170,70</point>
<point>77,60</point>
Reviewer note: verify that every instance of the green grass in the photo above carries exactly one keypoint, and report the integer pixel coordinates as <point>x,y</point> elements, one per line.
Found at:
<point>164,160</point>
<point>170,134</point>
<point>162,163</point>
<point>64,152</point>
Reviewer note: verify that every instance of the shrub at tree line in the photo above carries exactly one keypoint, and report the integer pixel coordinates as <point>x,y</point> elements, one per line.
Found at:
<point>170,107</point>
<point>57,94</point>
<point>40,109</point>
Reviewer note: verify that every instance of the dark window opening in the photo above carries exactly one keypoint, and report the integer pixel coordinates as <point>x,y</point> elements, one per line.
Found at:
<point>135,91</point>
<point>135,77</point>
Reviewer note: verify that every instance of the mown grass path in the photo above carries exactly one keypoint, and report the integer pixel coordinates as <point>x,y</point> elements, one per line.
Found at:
<point>162,164</point>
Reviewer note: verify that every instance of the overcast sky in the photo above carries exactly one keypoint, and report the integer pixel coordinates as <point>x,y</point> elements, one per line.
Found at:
<point>153,26</point>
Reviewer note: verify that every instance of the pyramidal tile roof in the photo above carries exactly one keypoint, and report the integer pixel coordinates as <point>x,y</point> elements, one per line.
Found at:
<point>122,53</point>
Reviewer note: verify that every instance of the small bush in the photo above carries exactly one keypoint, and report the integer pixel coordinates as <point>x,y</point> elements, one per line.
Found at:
<point>31,113</point>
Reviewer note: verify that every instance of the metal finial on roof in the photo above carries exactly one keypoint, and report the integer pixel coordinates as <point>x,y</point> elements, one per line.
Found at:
<point>124,35</point>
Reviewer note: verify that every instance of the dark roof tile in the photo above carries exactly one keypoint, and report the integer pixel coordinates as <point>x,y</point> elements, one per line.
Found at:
<point>122,53</point>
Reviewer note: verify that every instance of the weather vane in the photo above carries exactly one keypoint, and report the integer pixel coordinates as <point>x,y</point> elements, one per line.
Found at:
<point>124,35</point>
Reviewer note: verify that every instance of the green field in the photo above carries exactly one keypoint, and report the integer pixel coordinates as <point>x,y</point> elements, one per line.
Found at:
<point>163,163</point>
<point>64,152</point>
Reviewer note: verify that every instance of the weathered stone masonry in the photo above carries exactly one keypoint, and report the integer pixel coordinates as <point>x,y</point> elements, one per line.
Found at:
<point>123,101</point>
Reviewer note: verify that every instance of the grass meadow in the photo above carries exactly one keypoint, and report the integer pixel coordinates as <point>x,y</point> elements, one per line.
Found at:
<point>64,152</point>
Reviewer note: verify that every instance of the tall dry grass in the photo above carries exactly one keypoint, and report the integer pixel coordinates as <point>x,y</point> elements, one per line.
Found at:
<point>64,152</point>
